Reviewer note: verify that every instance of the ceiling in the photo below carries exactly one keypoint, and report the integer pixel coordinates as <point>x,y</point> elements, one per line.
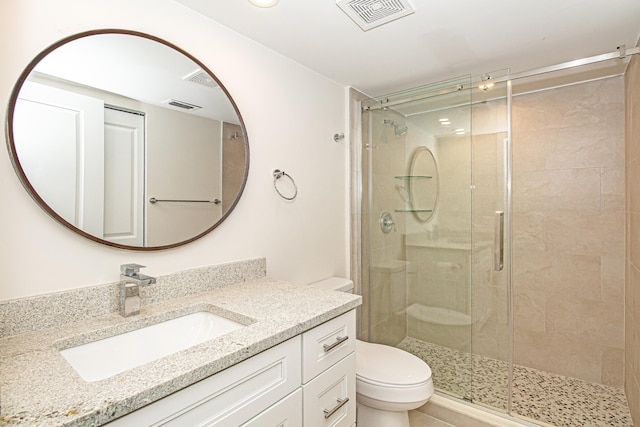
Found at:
<point>441,40</point>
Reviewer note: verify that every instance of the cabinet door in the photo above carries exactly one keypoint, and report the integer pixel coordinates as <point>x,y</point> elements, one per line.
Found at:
<point>330,398</point>
<point>230,397</point>
<point>286,413</point>
<point>328,343</point>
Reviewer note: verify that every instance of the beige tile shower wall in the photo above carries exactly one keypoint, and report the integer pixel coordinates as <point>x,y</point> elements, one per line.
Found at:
<point>363,223</point>
<point>454,167</point>
<point>568,230</point>
<point>632,290</point>
<point>358,132</point>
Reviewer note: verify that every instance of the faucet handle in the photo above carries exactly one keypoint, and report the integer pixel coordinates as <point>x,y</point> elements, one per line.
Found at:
<point>131,269</point>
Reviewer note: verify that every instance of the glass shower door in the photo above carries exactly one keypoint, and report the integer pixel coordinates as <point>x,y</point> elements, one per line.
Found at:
<point>385,267</point>
<point>433,189</point>
<point>490,285</point>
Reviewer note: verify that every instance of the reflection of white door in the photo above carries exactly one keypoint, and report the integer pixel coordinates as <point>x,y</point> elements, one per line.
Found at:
<point>61,153</point>
<point>123,177</point>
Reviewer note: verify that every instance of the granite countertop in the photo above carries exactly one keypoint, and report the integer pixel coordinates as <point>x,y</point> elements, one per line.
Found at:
<point>39,387</point>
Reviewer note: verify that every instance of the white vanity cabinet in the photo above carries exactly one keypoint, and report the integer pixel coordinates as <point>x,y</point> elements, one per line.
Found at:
<point>285,413</point>
<point>308,381</point>
<point>329,373</point>
<point>230,397</point>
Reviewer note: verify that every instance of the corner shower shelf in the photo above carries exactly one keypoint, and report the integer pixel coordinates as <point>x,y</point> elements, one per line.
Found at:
<point>410,177</point>
<point>413,210</point>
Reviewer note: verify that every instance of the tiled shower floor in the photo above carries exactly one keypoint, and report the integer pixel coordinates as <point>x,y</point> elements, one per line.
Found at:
<point>537,396</point>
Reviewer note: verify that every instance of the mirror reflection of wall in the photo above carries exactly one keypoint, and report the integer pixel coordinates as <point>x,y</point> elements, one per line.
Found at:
<point>233,159</point>
<point>106,122</point>
<point>182,166</point>
<point>423,184</point>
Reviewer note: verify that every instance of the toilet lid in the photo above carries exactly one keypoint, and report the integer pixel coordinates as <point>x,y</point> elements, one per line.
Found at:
<point>389,365</point>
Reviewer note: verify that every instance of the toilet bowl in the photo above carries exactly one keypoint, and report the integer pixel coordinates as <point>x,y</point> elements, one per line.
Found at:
<point>389,381</point>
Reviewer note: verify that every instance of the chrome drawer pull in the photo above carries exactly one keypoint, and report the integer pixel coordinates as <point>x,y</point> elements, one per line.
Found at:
<point>341,403</point>
<point>339,340</point>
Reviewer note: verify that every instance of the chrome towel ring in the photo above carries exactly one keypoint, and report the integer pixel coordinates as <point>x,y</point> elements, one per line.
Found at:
<point>277,174</point>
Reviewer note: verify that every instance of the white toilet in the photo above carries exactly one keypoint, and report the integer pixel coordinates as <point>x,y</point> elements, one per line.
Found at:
<point>389,381</point>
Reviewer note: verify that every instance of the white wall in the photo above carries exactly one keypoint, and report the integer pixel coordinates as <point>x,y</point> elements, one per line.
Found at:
<point>291,114</point>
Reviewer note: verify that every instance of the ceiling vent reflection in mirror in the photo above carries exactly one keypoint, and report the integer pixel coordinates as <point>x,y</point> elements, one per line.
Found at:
<point>373,13</point>
<point>202,78</point>
<point>183,105</point>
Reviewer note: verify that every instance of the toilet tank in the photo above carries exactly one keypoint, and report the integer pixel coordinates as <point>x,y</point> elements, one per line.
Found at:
<point>339,284</point>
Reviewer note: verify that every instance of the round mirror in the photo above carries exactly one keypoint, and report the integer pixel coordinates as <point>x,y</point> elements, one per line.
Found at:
<point>127,140</point>
<point>424,184</point>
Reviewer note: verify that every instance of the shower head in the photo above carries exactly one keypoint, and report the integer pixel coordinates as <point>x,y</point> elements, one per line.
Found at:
<point>401,130</point>
<point>397,129</point>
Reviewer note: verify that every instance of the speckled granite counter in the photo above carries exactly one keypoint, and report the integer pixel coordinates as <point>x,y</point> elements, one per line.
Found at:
<point>38,387</point>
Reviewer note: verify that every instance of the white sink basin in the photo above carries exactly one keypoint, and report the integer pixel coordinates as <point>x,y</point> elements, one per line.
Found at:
<point>110,356</point>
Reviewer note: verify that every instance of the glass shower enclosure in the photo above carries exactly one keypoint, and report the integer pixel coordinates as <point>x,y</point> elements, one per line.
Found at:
<point>435,232</point>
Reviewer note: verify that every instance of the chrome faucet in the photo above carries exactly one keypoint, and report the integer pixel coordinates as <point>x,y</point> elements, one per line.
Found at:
<point>130,282</point>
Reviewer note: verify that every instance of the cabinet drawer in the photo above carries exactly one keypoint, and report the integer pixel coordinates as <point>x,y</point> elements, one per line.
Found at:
<point>286,413</point>
<point>230,397</point>
<point>330,398</point>
<point>327,343</point>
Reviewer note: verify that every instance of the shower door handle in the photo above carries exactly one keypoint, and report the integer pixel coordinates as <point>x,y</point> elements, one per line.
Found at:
<point>498,256</point>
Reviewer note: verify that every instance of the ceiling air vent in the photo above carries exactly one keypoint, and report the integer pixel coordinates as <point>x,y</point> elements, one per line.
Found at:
<point>373,13</point>
<point>202,78</point>
<point>183,105</point>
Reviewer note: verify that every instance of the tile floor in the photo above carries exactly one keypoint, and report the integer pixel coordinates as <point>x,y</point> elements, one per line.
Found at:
<point>418,419</point>
<point>537,396</point>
